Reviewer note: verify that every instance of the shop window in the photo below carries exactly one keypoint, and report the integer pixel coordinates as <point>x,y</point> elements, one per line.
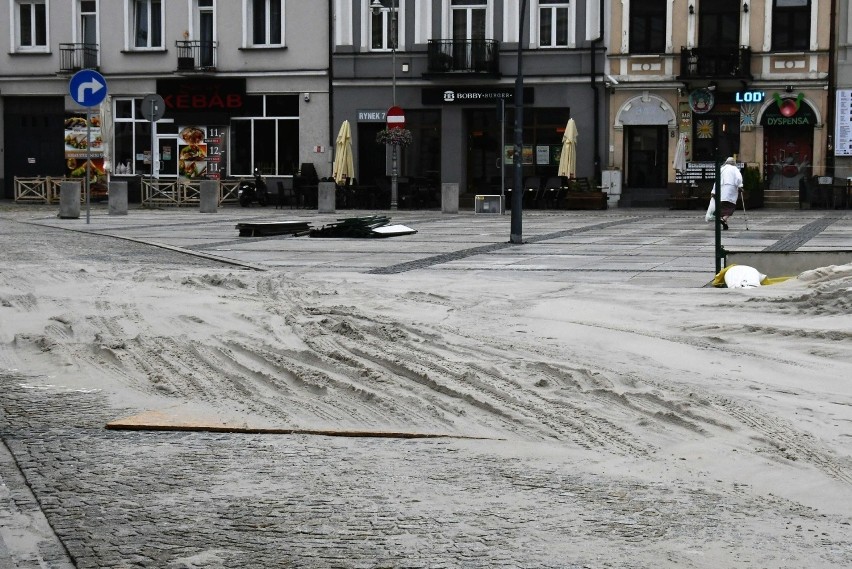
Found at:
<point>269,140</point>
<point>31,25</point>
<point>267,22</point>
<point>648,26</point>
<point>554,24</point>
<point>147,24</point>
<point>791,25</point>
<point>384,27</point>
<point>716,135</point>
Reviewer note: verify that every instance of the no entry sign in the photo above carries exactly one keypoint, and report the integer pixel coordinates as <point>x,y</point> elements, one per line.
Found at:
<point>396,117</point>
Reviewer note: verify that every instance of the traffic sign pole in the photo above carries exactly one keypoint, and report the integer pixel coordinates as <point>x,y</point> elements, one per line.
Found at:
<point>395,119</point>
<point>88,89</point>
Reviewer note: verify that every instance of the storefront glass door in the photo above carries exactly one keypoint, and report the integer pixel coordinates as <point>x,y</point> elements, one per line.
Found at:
<point>167,157</point>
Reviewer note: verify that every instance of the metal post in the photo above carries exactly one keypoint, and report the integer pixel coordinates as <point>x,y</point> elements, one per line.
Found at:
<point>500,155</point>
<point>717,199</point>
<point>88,158</point>
<point>394,172</point>
<point>153,143</point>
<point>516,231</point>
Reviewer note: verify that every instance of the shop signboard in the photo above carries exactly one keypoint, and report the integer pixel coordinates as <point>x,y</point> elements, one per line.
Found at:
<point>473,95</point>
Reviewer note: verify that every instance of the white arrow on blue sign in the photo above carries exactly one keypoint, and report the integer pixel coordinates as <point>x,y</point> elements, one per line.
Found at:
<point>88,88</point>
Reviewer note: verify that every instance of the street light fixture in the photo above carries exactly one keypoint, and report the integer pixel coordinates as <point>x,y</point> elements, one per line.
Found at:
<point>377,6</point>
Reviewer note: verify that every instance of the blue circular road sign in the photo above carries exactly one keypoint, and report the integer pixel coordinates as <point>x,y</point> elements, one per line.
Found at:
<point>88,88</point>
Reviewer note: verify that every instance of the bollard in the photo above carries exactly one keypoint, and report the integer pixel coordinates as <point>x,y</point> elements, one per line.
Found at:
<point>326,197</point>
<point>209,196</point>
<point>117,198</point>
<point>449,198</point>
<point>69,200</point>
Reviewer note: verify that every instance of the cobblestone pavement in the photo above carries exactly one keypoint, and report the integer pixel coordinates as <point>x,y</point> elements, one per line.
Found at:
<point>160,499</point>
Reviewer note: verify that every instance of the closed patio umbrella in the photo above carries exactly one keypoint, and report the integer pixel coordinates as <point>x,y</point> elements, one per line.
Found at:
<point>343,167</point>
<point>568,158</point>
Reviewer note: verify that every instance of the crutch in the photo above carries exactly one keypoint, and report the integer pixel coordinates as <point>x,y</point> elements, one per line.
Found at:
<point>742,197</point>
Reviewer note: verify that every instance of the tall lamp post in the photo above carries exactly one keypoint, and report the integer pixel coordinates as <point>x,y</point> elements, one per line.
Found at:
<point>376,6</point>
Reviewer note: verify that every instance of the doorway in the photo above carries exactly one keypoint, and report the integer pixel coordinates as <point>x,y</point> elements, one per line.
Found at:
<point>647,156</point>
<point>372,157</point>
<point>167,158</point>
<point>89,33</point>
<point>483,152</point>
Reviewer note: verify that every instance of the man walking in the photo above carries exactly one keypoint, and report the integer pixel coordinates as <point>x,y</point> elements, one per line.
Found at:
<point>732,185</point>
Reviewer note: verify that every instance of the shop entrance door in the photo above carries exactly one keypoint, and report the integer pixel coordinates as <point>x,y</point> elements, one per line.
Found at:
<point>483,152</point>
<point>647,156</point>
<point>167,158</point>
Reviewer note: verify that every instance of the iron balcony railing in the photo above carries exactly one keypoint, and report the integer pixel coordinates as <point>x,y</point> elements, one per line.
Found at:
<point>196,55</point>
<point>715,63</point>
<point>464,56</point>
<point>77,56</point>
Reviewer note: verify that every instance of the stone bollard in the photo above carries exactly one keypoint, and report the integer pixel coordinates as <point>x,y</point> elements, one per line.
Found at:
<point>326,197</point>
<point>209,196</point>
<point>117,198</point>
<point>69,200</point>
<point>450,198</point>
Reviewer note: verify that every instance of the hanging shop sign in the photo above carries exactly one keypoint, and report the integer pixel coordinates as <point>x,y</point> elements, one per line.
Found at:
<point>473,95</point>
<point>789,111</point>
<point>701,101</point>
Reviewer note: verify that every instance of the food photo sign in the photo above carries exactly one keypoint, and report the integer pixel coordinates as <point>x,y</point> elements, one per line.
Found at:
<point>83,142</point>
<point>199,152</point>
<point>192,152</point>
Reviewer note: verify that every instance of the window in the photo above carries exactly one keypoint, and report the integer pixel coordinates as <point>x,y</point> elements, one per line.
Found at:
<point>553,23</point>
<point>267,17</point>
<point>384,27</point>
<point>648,26</point>
<point>791,25</point>
<point>31,20</point>
<point>147,24</point>
<point>269,140</point>
<point>719,24</point>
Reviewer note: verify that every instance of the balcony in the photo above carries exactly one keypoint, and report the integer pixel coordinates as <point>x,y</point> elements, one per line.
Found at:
<point>76,56</point>
<point>715,63</point>
<point>481,57</point>
<point>196,55</point>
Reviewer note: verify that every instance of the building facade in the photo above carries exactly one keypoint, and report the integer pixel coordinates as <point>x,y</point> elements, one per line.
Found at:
<point>748,79</point>
<point>245,84</point>
<point>450,65</point>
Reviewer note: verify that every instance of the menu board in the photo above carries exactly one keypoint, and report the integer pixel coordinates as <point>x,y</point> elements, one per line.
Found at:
<point>843,126</point>
<point>82,141</point>
<point>200,152</point>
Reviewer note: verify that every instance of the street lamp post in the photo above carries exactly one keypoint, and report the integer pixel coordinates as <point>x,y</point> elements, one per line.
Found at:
<point>376,6</point>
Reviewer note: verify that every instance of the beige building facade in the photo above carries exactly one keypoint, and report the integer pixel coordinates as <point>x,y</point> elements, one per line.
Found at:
<point>748,79</point>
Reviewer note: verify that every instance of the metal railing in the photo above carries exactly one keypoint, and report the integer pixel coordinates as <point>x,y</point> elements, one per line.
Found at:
<point>77,56</point>
<point>463,56</point>
<point>196,55</point>
<point>715,63</point>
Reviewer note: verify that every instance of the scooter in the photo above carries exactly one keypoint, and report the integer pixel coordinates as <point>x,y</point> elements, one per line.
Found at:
<point>251,191</point>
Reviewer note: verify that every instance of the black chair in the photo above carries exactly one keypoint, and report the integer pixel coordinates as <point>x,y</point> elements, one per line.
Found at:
<point>285,194</point>
<point>550,191</point>
<point>532,187</point>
